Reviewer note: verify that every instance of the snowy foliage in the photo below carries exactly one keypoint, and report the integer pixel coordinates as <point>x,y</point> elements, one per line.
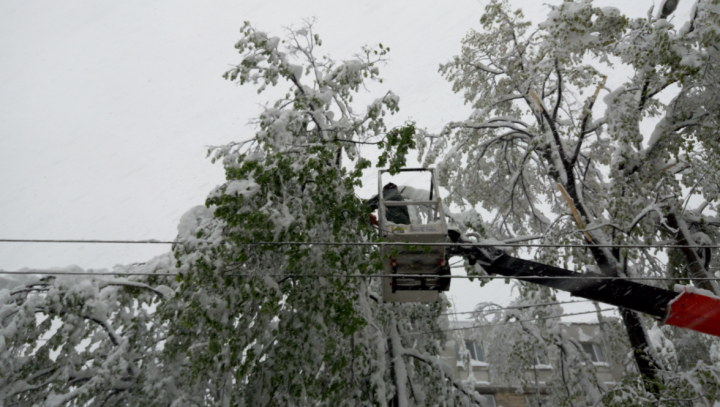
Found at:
<point>557,149</point>
<point>561,149</point>
<point>242,323</point>
<point>70,340</point>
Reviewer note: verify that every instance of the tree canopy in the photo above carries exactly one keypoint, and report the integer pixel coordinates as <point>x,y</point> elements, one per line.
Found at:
<point>561,150</point>
<point>558,149</point>
<point>239,323</point>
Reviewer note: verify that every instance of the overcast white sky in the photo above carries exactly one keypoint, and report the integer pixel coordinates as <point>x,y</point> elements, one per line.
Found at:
<point>106,108</point>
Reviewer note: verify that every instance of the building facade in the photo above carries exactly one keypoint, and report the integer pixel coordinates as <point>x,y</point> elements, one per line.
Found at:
<point>534,395</point>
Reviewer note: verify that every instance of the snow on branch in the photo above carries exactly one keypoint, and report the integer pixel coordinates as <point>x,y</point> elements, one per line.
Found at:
<point>432,361</point>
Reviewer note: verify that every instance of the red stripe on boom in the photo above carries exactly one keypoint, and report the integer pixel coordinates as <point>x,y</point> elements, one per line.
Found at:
<point>697,312</point>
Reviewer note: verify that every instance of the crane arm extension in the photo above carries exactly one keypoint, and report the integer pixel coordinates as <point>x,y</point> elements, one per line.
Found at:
<point>623,293</point>
<point>689,309</point>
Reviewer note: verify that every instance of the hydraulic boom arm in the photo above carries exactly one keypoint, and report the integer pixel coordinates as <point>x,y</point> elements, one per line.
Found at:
<point>689,309</point>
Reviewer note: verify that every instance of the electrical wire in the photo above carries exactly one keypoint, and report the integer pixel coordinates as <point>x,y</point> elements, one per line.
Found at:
<point>507,322</point>
<point>147,241</point>
<point>579,275</point>
<point>498,245</point>
<point>545,304</point>
<point>49,272</point>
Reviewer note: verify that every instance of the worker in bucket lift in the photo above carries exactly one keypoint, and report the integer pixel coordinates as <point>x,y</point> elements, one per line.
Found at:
<point>395,214</point>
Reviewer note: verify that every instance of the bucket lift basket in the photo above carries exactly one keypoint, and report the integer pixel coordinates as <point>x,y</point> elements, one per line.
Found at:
<point>427,226</point>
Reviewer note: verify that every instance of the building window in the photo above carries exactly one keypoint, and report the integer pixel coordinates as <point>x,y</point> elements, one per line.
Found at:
<point>594,351</point>
<point>489,400</point>
<point>475,350</point>
<point>540,358</point>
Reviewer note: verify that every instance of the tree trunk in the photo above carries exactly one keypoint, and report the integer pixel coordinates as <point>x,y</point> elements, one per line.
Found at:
<point>647,366</point>
<point>695,268</point>
<point>640,344</point>
<point>639,341</point>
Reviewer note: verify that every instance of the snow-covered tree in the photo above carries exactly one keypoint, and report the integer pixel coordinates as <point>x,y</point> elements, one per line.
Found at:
<point>558,149</point>
<point>73,340</point>
<point>243,322</point>
<point>562,148</point>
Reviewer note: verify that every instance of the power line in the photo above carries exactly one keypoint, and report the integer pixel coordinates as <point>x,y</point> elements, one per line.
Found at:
<point>536,319</point>
<point>507,322</point>
<point>545,304</point>
<point>497,245</point>
<point>147,241</point>
<point>84,273</point>
<point>579,275</point>
<point>49,272</point>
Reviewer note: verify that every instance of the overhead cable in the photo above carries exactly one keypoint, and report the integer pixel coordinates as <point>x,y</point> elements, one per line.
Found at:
<point>484,311</point>
<point>494,244</point>
<point>507,322</point>
<point>579,275</point>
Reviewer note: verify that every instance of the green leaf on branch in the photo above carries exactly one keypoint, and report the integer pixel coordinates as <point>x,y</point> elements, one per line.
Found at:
<point>395,147</point>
